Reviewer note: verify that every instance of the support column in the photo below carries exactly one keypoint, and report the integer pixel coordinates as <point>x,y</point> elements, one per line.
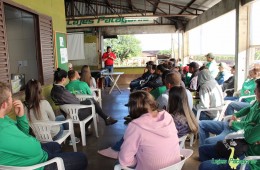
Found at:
<point>185,47</point>
<point>242,47</point>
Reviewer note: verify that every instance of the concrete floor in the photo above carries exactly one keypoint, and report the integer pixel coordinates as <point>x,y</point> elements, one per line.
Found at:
<point>113,104</point>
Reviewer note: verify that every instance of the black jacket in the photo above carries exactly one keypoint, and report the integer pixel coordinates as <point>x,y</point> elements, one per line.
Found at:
<point>62,96</point>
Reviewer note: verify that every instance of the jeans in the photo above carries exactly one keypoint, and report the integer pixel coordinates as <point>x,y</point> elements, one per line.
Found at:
<point>232,98</point>
<point>221,129</point>
<point>118,145</point>
<point>98,109</point>
<point>235,106</point>
<point>107,79</point>
<point>72,160</point>
<point>207,153</point>
<point>203,115</point>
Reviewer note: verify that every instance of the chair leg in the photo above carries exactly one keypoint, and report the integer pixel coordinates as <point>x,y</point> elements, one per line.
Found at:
<point>83,133</point>
<point>73,140</point>
<point>191,139</point>
<point>95,125</point>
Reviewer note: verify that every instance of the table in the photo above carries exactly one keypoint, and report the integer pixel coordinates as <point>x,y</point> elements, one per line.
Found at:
<point>114,80</point>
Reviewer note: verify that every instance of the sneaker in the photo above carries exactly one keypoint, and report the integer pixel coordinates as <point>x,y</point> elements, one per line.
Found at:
<point>128,118</point>
<point>110,121</point>
<point>109,152</point>
<point>76,139</point>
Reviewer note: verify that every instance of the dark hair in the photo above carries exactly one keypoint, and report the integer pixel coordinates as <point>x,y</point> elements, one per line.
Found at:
<point>71,74</point>
<point>164,75</point>
<point>33,97</point>
<point>108,47</point>
<point>178,104</point>
<point>257,84</point>
<point>4,89</point>
<point>153,66</point>
<point>141,102</point>
<point>59,74</point>
<point>161,68</point>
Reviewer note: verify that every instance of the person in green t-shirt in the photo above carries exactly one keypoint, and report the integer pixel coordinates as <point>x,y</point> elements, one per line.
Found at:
<point>18,148</point>
<point>75,86</point>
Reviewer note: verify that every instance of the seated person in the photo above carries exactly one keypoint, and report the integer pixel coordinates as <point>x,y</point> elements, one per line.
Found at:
<point>155,80</point>
<point>248,86</point>
<point>18,148</point>
<point>221,129</point>
<point>38,109</point>
<point>160,90</point>
<point>172,79</point>
<point>194,70</point>
<point>222,74</point>
<point>229,83</point>
<point>86,77</point>
<point>136,83</point>
<point>178,107</point>
<point>187,75</point>
<point>62,96</point>
<point>210,94</point>
<point>151,131</point>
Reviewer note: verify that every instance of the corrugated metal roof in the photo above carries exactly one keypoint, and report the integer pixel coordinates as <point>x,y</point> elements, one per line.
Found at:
<point>177,12</point>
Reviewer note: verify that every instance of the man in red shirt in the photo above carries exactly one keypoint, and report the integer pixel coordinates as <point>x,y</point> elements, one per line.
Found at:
<point>108,57</point>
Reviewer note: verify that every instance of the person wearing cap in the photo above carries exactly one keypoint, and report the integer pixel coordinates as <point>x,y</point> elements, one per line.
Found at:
<point>222,73</point>
<point>187,75</point>
<point>194,70</point>
<point>229,83</point>
<point>211,64</point>
<point>108,57</point>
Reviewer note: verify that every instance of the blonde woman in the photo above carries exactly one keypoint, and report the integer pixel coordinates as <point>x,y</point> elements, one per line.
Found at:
<point>86,77</point>
<point>183,117</point>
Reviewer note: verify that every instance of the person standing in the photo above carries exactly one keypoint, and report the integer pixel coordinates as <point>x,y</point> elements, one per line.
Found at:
<point>212,65</point>
<point>108,57</point>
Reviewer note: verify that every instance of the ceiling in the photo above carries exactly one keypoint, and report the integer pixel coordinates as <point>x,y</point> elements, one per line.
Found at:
<point>174,12</point>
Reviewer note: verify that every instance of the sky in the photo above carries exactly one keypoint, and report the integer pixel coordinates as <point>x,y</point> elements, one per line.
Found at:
<point>154,41</point>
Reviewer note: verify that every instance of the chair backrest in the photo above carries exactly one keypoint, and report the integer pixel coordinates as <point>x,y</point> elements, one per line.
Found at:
<point>83,97</point>
<point>42,131</point>
<point>184,152</point>
<point>177,166</point>
<point>72,110</point>
<point>59,162</point>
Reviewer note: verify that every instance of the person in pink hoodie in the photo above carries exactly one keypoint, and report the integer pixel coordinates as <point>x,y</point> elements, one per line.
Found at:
<point>150,140</point>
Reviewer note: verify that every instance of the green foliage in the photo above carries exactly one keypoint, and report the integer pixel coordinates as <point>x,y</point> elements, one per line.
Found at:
<point>165,52</point>
<point>125,46</point>
<point>257,54</point>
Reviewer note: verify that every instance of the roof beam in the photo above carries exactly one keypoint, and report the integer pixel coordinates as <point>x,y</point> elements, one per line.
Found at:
<point>188,5</point>
<point>155,6</point>
<point>130,4</point>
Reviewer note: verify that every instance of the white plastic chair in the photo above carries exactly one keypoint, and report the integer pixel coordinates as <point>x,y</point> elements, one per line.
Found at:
<point>249,158</point>
<point>73,109</point>
<point>182,141</point>
<point>59,162</point>
<point>83,97</point>
<point>240,135</point>
<point>184,152</point>
<point>42,131</point>
<point>245,97</point>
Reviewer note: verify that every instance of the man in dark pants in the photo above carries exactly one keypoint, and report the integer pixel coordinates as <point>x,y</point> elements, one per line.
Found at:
<point>109,57</point>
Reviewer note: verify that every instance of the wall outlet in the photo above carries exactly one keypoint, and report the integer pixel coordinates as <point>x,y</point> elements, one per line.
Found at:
<point>20,63</point>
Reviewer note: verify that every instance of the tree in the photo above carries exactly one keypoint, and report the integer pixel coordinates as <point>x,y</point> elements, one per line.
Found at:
<point>125,46</point>
<point>165,52</point>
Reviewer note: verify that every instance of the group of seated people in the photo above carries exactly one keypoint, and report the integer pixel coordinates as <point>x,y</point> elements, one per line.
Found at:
<point>130,150</point>
<point>161,110</point>
<point>15,135</point>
